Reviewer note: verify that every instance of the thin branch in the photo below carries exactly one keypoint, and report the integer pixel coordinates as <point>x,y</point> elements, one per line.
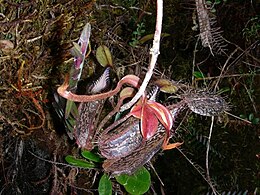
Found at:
<point>199,169</point>
<point>223,68</point>
<point>247,121</point>
<point>154,51</point>
<point>207,157</point>
<point>52,162</point>
<point>226,76</point>
<point>194,60</point>
<point>155,172</point>
<point>252,46</point>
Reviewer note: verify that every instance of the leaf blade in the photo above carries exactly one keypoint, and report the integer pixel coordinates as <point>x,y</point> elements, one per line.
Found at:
<point>105,186</point>
<point>138,183</point>
<point>104,56</point>
<point>91,156</point>
<point>79,162</point>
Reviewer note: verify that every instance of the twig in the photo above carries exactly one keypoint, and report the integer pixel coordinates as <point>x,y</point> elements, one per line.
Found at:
<point>52,162</point>
<point>207,157</point>
<point>250,97</point>
<point>151,165</point>
<point>154,51</point>
<point>55,177</point>
<point>247,121</point>
<point>240,56</point>
<point>194,60</point>
<point>200,170</point>
<point>225,76</point>
<point>246,50</point>
<point>223,68</point>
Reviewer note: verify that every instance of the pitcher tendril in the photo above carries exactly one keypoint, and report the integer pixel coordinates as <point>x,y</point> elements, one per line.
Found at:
<point>128,79</point>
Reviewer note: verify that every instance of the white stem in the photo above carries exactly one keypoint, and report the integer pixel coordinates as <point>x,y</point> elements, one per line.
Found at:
<point>154,51</point>
<point>207,157</point>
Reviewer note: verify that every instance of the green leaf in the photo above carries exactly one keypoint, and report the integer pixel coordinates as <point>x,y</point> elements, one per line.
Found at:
<point>166,86</point>
<point>79,162</point>
<point>91,156</point>
<point>208,2</point>
<point>198,74</point>
<point>251,117</point>
<point>118,116</point>
<point>70,123</point>
<point>71,108</point>
<point>150,37</point>
<point>104,56</point>
<point>76,50</point>
<point>105,186</point>
<point>217,2</point>
<point>243,116</point>
<point>255,121</point>
<point>223,90</point>
<point>213,10</point>
<point>136,184</point>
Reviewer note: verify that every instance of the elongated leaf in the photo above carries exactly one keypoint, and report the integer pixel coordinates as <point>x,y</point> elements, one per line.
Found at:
<point>149,122</point>
<point>70,124</point>
<point>166,86</point>
<point>79,51</point>
<point>136,111</point>
<point>198,74</point>
<point>79,162</point>
<point>76,50</point>
<point>150,112</point>
<point>91,156</point>
<point>223,90</point>
<point>105,186</point>
<point>150,37</point>
<point>72,109</point>
<point>138,183</point>
<point>104,56</point>
<point>127,92</point>
<point>59,106</point>
<point>162,113</point>
<point>83,44</point>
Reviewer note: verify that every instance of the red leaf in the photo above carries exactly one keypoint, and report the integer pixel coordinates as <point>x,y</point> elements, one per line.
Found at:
<point>162,113</point>
<point>136,111</point>
<point>149,112</point>
<point>149,122</point>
